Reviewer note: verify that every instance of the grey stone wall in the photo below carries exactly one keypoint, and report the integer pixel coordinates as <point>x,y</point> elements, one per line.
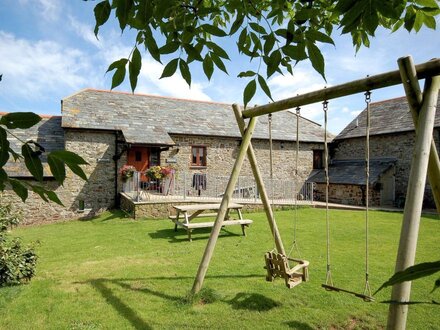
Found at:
<point>222,152</point>
<point>399,146</point>
<point>161,210</point>
<point>347,194</point>
<point>98,193</point>
<point>98,149</point>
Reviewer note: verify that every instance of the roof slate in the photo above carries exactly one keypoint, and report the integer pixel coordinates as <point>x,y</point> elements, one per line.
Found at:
<point>150,119</point>
<point>48,133</point>
<point>391,116</point>
<point>353,171</point>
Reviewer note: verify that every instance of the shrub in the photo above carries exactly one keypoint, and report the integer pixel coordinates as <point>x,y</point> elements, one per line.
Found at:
<point>17,262</point>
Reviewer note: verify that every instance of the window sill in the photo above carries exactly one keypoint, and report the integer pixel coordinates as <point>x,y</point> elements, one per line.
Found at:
<point>195,167</point>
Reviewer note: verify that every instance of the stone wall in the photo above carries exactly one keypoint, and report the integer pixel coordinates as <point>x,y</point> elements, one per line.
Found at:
<point>347,194</point>
<point>222,153</point>
<point>399,146</point>
<point>98,193</point>
<point>162,209</point>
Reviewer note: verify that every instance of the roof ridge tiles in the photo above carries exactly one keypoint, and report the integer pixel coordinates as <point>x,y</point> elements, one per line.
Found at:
<point>146,94</point>
<point>2,113</point>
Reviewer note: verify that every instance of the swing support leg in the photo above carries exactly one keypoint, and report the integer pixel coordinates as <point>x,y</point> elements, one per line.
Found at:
<point>398,312</point>
<point>415,98</point>
<point>260,184</point>
<point>209,250</point>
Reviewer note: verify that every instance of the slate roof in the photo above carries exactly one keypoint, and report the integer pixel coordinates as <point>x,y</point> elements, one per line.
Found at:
<point>352,171</point>
<point>391,116</point>
<point>48,132</point>
<point>147,119</point>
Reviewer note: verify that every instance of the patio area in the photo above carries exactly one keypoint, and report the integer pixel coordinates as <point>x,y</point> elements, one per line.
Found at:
<point>155,199</point>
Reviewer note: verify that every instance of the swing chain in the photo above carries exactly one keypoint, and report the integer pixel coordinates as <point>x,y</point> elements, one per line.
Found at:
<point>367,290</point>
<point>367,97</point>
<point>328,280</point>
<point>325,106</point>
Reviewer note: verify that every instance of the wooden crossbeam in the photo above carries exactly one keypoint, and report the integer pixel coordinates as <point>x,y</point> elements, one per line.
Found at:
<point>424,70</point>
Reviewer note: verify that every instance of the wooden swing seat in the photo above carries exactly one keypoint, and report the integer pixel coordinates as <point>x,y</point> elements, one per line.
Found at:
<point>277,265</point>
<point>365,297</point>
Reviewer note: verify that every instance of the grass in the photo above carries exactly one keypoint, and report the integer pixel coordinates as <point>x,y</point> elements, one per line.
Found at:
<point>116,273</point>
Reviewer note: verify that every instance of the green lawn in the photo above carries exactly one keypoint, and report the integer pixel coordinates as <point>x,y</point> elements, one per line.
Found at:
<point>117,273</point>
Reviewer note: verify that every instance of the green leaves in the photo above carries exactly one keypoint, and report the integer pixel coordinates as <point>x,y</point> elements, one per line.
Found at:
<point>413,273</point>
<point>184,71</point>
<point>214,30</point>
<point>19,189</point>
<point>32,161</point>
<point>32,151</point>
<point>119,75</point>
<point>4,147</point>
<point>264,86</point>
<point>278,34</point>
<point>208,66</point>
<point>57,160</point>
<point>249,92</point>
<point>102,13</point>
<point>316,58</point>
<point>21,120</point>
<point>134,68</point>
<point>46,195</point>
<point>123,11</point>
<point>251,87</point>
<point>170,68</point>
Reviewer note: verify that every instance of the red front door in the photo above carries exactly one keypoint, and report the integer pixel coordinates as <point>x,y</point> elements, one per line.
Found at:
<point>138,157</point>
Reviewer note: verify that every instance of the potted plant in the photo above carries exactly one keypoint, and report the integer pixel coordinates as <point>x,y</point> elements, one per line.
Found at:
<point>159,172</point>
<point>127,171</point>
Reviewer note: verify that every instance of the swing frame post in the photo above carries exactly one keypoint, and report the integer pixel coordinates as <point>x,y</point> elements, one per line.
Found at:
<point>259,181</point>
<point>398,310</point>
<point>209,250</point>
<point>415,98</point>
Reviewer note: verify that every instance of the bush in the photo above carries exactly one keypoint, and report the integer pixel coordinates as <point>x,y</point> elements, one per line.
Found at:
<point>17,262</point>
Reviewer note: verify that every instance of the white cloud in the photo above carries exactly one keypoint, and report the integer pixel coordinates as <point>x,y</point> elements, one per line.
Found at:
<point>174,86</point>
<point>148,80</point>
<point>84,31</point>
<point>49,10</point>
<point>34,70</point>
<point>303,81</point>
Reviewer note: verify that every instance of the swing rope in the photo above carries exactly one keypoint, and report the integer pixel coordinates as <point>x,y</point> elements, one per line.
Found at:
<point>295,221</point>
<point>366,296</point>
<point>367,290</point>
<point>277,264</point>
<point>271,173</point>
<point>328,279</point>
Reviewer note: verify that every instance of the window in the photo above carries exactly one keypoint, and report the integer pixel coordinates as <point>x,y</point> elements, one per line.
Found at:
<point>138,156</point>
<point>154,157</point>
<point>198,156</point>
<point>318,161</point>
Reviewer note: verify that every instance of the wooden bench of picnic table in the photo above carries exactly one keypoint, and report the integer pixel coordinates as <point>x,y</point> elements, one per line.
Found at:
<point>183,217</point>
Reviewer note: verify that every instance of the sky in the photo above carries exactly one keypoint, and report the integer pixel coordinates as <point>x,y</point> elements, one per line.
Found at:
<point>48,51</point>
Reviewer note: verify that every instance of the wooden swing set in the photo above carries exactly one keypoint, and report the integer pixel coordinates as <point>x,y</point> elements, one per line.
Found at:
<point>425,163</point>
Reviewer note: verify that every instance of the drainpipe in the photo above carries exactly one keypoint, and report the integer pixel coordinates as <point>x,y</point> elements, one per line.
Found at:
<point>116,158</point>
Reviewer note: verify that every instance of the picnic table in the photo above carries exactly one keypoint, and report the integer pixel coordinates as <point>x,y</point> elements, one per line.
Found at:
<point>186,213</point>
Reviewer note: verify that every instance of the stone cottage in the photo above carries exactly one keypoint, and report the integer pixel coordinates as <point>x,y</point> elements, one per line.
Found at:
<point>111,129</point>
<point>392,137</point>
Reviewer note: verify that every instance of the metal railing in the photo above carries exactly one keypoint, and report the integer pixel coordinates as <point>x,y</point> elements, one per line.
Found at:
<point>184,185</point>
